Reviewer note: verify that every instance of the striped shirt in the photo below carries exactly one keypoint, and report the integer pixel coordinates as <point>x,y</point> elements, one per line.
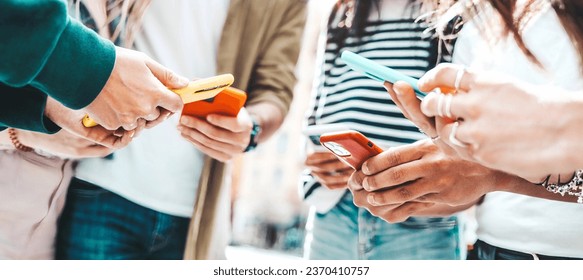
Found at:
<point>347,97</point>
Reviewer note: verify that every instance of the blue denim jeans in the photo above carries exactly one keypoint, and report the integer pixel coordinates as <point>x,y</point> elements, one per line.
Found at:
<point>350,233</point>
<point>97,224</point>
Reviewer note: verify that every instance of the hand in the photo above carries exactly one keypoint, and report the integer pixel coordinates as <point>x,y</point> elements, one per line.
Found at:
<point>70,121</point>
<point>220,137</point>
<point>404,97</point>
<point>63,144</point>
<point>502,123</point>
<point>137,89</point>
<point>416,177</point>
<point>329,170</point>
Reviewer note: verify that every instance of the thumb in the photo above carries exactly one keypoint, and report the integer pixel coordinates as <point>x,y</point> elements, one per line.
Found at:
<point>166,76</point>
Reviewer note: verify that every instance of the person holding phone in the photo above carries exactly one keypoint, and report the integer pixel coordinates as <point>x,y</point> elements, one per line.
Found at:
<point>517,219</point>
<point>386,32</point>
<point>146,194</point>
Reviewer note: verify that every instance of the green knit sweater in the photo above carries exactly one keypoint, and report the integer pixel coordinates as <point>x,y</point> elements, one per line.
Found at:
<point>44,52</point>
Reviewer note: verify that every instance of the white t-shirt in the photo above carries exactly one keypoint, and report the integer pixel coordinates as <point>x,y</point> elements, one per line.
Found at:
<point>513,221</point>
<point>160,170</point>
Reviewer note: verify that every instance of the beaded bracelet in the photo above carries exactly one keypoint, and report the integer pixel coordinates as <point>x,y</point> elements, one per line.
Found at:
<point>573,187</point>
<point>14,138</point>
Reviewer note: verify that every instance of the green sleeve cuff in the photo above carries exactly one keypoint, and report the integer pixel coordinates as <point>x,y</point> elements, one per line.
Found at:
<point>78,68</point>
<point>24,108</point>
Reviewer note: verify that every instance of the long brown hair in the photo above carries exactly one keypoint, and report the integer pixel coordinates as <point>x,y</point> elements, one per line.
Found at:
<point>570,13</point>
<point>121,18</point>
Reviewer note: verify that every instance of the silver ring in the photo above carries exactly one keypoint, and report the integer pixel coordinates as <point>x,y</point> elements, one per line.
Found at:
<point>458,78</point>
<point>448,99</point>
<point>440,105</point>
<point>452,137</point>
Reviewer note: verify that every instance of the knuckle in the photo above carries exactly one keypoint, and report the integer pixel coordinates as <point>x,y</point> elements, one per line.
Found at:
<point>404,193</point>
<point>393,158</point>
<point>396,175</point>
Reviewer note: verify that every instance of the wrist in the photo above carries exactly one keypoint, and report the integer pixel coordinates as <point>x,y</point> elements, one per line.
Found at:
<point>5,139</point>
<point>570,133</point>
<point>15,138</point>
<point>254,134</point>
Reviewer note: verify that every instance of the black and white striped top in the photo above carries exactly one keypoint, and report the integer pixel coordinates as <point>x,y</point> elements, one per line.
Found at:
<point>360,103</point>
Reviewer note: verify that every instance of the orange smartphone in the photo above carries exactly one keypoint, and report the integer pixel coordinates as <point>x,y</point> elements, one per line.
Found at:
<point>350,146</point>
<point>228,103</point>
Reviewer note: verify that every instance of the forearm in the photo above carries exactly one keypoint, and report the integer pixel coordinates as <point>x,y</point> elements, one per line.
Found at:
<point>5,143</point>
<point>571,133</point>
<point>269,117</point>
<point>24,108</point>
<point>514,184</point>
<point>443,210</point>
<point>54,53</point>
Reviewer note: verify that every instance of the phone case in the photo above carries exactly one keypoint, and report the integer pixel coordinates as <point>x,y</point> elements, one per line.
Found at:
<point>379,72</point>
<point>228,102</point>
<point>195,91</point>
<point>351,147</point>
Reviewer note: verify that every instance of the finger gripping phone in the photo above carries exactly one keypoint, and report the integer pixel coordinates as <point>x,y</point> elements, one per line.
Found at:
<point>350,146</point>
<point>195,91</point>
<point>379,72</point>
<point>228,102</point>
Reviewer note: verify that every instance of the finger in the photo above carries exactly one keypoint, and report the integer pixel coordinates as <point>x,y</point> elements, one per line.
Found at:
<point>392,157</point>
<point>192,134</point>
<point>119,132</point>
<point>360,200</point>
<point>166,76</point>
<point>395,176</point>
<point>446,134</point>
<point>405,193</point>
<point>140,128</point>
<point>412,106</point>
<point>329,179</point>
<point>332,166</point>
<point>318,158</point>
<point>154,115</point>
<point>101,136</point>
<point>404,211</point>
<point>232,124</point>
<point>444,76</point>
<point>216,154</point>
<point>130,126</point>
<point>355,181</point>
<point>335,187</point>
<point>163,116</point>
<point>210,130</point>
<point>168,79</point>
<point>433,105</point>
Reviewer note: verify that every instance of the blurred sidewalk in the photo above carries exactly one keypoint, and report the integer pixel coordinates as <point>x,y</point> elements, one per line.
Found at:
<point>253,253</point>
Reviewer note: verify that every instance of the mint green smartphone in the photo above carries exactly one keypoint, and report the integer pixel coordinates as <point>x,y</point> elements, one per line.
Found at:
<point>379,72</point>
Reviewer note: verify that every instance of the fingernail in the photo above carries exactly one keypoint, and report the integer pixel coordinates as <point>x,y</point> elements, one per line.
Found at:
<point>183,81</point>
<point>371,200</point>
<point>365,184</point>
<point>365,169</point>
<point>132,134</point>
<point>184,121</point>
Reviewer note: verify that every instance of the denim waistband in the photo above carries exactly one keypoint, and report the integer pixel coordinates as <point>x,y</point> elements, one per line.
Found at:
<point>487,251</point>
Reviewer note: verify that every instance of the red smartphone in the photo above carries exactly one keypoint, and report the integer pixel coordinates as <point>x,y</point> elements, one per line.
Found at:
<point>228,103</point>
<point>350,146</point>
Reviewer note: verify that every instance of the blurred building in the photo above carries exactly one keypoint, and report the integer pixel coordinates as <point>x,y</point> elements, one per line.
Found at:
<point>267,210</point>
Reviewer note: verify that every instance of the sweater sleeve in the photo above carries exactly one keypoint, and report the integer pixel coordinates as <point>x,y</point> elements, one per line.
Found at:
<point>24,108</point>
<point>274,78</point>
<point>45,48</point>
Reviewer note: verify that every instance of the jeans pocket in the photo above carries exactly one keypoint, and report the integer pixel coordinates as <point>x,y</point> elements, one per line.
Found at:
<point>430,222</point>
<point>79,188</point>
